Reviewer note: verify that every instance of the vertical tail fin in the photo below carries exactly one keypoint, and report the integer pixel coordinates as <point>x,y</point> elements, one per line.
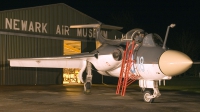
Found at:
<point>100,37</point>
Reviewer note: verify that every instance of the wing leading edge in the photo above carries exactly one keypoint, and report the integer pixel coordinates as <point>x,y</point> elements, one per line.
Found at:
<point>68,61</point>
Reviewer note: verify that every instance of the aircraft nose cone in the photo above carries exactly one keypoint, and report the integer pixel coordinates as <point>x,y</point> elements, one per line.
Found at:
<point>174,62</point>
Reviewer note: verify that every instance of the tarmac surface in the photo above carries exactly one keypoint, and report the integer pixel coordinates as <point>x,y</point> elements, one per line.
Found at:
<point>70,98</point>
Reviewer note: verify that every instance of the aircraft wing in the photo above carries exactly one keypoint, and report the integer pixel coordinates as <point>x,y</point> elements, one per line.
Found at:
<point>67,61</point>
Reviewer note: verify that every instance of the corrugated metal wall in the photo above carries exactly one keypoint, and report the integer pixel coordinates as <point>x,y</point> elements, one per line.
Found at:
<point>52,20</point>
<point>2,59</point>
<point>18,47</point>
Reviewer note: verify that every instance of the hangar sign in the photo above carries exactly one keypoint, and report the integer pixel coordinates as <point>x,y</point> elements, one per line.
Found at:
<point>41,27</point>
<point>15,24</point>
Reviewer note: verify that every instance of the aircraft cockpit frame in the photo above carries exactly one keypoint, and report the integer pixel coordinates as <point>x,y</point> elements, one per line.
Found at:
<point>152,40</point>
<point>147,40</point>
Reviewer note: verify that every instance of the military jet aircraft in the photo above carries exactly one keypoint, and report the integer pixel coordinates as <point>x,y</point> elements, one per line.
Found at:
<point>153,60</point>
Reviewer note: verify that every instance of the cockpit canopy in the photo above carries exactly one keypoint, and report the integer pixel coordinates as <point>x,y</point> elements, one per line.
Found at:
<point>152,40</point>
<point>132,34</point>
<point>149,40</point>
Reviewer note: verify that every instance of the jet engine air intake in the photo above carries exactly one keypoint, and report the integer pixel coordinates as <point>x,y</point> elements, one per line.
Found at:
<point>117,54</point>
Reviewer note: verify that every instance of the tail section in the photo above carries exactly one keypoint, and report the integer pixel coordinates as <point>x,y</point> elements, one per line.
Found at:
<point>100,37</point>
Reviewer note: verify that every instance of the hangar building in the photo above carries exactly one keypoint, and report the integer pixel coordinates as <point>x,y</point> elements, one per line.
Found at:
<point>44,31</point>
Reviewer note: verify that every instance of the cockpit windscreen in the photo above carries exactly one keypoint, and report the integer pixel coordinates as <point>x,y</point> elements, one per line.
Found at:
<point>152,40</point>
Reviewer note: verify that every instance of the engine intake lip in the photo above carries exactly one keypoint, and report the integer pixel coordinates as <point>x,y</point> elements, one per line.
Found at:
<point>117,54</point>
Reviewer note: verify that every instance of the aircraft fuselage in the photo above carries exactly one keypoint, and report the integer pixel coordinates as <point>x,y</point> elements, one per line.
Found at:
<point>147,62</point>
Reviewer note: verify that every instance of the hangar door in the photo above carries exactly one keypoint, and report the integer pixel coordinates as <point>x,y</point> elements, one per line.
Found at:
<point>70,74</point>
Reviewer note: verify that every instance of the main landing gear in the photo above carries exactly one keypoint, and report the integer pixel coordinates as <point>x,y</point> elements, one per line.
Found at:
<point>88,80</point>
<point>150,89</point>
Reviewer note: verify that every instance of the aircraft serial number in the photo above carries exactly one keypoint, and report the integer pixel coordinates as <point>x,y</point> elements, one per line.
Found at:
<point>140,63</point>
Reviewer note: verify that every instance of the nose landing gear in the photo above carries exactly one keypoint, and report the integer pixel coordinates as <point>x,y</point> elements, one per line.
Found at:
<point>150,89</point>
<point>147,96</point>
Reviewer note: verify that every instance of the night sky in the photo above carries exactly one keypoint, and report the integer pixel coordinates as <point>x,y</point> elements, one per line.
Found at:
<point>150,15</point>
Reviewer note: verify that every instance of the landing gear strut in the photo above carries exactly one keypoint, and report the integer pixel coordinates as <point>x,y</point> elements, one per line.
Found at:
<point>88,81</point>
<point>150,89</point>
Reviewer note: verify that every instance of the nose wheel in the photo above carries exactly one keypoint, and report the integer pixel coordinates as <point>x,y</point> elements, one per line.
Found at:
<point>150,90</point>
<point>148,96</point>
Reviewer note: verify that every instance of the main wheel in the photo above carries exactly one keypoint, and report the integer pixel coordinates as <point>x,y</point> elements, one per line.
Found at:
<point>87,87</point>
<point>148,93</point>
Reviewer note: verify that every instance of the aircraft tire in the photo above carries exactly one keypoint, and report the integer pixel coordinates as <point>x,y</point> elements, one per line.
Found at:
<point>87,87</point>
<point>148,93</point>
